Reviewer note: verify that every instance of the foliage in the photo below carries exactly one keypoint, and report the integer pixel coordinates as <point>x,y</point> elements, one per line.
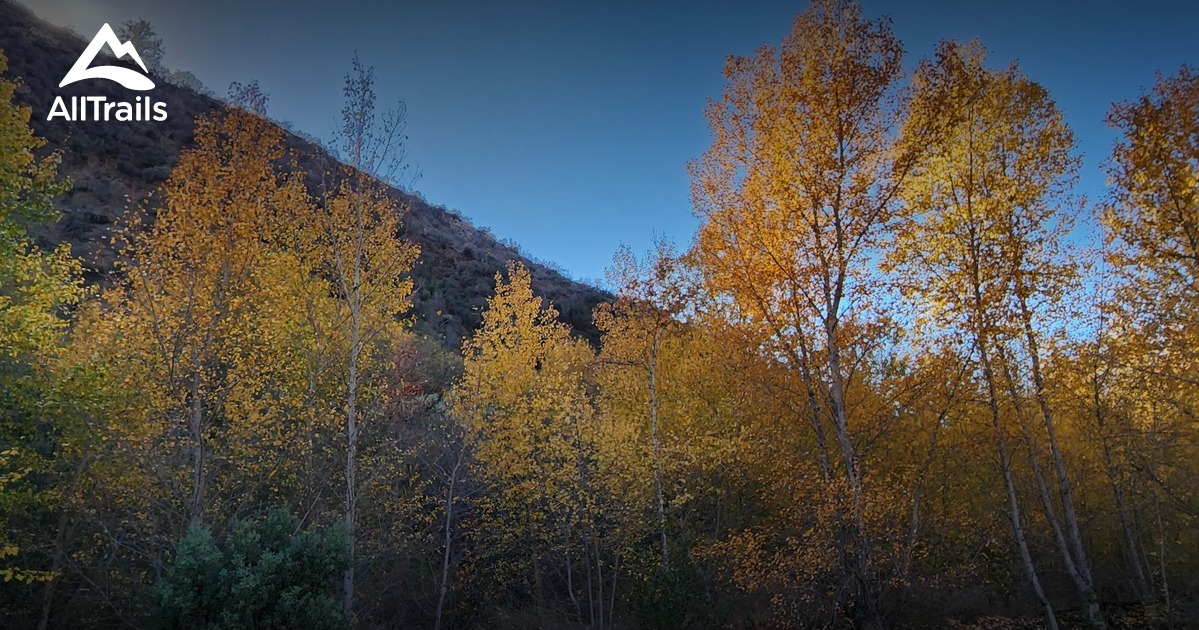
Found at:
<point>36,289</point>
<point>269,573</point>
<point>141,34</point>
<point>886,386</point>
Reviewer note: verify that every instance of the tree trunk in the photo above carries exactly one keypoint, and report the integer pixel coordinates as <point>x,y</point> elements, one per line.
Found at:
<point>351,515</point>
<point>196,429</point>
<point>1161,551</point>
<point>447,539</point>
<point>58,555</point>
<point>1005,464</point>
<point>1084,580</point>
<point>1034,461</point>
<point>653,424</point>
<point>1129,540</point>
<point>866,609</point>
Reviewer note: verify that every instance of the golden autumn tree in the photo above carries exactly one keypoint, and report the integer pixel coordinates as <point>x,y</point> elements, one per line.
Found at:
<point>796,193</point>
<point>37,288</point>
<point>1152,216</point>
<point>703,428</point>
<point>252,326</point>
<point>670,438</point>
<point>1151,231</point>
<point>189,329</point>
<point>357,227</point>
<point>194,352</point>
<point>36,283</point>
<point>649,301</point>
<point>981,254</point>
<point>524,398</point>
<point>1100,386</point>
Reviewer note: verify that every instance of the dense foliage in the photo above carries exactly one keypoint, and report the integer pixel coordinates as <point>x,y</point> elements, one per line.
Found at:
<point>268,574</point>
<point>888,385</point>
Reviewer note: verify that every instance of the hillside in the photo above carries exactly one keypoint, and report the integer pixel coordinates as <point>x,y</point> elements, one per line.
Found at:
<point>115,165</point>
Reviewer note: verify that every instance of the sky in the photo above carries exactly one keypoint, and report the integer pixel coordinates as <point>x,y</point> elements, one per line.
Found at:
<point>566,125</point>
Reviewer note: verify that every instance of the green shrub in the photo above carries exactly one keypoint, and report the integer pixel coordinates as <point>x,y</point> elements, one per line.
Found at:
<point>268,574</point>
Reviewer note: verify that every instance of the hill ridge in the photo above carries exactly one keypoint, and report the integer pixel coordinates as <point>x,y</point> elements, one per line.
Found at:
<point>115,165</point>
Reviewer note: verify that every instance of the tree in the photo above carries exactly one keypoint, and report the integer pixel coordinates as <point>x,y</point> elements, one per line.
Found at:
<point>524,399</point>
<point>150,48</point>
<point>1152,208</point>
<point>249,96</point>
<point>1151,232</point>
<point>1151,218</point>
<point>990,208</point>
<point>679,435</point>
<point>141,34</point>
<point>796,193</point>
<point>37,288</point>
<point>648,302</point>
<point>196,337</point>
<point>270,573</point>
<point>187,79</point>
<point>358,224</point>
<point>251,325</point>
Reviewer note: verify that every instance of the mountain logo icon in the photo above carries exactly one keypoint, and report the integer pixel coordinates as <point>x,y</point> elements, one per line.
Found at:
<point>82,69</point>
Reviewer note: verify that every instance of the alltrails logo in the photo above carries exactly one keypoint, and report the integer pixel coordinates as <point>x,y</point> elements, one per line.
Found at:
<point>83,108</point>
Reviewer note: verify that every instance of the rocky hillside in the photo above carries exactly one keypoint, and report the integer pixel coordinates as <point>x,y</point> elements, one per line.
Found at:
<point>115,165</point>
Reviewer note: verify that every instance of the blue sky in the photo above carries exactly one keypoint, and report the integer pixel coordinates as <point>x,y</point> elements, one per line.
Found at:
<point>566,125</point>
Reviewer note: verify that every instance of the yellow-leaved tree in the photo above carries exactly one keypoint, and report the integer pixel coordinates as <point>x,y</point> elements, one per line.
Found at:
<point>796,193</point>
<point>1151,222</point>
<point>37,288</point>
<point>980,253</point>
<point>358,247</point>
<point>635,328</point>
<point>524,397</point>
<point>195,337</point>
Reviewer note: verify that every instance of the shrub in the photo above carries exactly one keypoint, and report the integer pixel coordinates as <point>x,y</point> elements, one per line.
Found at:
<point>269,574</point>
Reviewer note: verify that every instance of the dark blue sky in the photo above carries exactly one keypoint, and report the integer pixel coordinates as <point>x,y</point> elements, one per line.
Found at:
<point>566,125</point>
